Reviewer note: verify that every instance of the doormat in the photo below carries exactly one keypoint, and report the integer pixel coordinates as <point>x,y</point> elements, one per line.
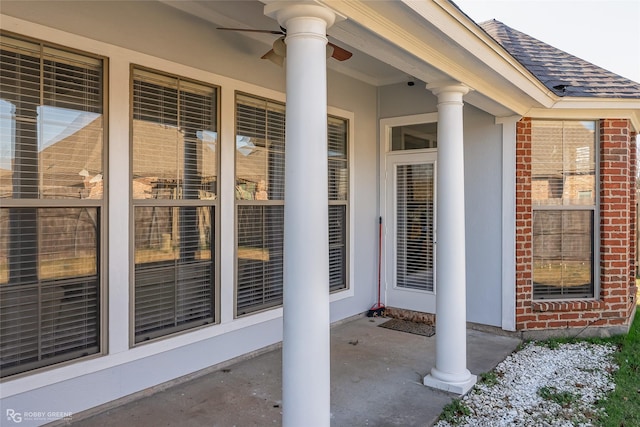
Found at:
<point>409,327</point>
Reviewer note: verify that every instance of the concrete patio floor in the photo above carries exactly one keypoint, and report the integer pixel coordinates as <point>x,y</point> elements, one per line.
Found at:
<point>376,380</point>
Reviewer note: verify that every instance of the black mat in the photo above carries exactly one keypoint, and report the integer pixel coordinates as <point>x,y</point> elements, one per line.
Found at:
<point>409,327</point>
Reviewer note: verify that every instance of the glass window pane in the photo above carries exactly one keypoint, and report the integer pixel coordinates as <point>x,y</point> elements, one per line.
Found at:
<point>49,286</point>
<point>51,142</point>
<point>260,140</point>
<point>337,247</point>
<point>562,254</point>
<point>414,137</point>
<point>414,218</point>
<point>175,138</point>
<point>260,257</point>
<point>337,159</point>
<point>173,270</point>
<point>563,163</point>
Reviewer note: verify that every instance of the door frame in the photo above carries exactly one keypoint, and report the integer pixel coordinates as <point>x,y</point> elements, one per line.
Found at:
<point>403,298</point>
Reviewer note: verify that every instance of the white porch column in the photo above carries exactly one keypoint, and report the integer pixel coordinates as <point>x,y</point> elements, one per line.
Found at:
<point>305,349</point>
<point>450,373</point>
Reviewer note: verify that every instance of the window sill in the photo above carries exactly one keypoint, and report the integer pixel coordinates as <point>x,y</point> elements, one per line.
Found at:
<point>569,305</point>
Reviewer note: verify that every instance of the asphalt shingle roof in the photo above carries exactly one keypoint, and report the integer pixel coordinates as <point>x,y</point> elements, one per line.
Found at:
<point>560,72</point>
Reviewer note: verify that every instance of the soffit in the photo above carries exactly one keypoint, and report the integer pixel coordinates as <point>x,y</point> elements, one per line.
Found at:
<point>250,15</point>
<point>389,41</point>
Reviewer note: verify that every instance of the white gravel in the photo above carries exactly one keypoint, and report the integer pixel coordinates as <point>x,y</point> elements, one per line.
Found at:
<point>571,378</point>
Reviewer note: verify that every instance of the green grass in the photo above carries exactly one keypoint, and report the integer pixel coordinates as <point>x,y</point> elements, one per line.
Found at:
<point>623,404</point>
<point>454,412</point>
<point>489,378</point>
<point>562,398</point>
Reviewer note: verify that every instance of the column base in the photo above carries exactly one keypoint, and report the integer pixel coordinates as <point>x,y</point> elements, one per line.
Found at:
<point>457,387</point>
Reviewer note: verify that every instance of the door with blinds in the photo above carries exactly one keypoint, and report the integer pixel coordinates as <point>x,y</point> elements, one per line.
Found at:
<point>410,231</point>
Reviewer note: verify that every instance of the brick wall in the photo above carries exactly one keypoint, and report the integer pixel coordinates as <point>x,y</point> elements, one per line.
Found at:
<point>615,302</point>
<point>633,214</point>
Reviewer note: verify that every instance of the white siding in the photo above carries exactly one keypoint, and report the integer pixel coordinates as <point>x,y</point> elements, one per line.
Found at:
<point>194,49</point>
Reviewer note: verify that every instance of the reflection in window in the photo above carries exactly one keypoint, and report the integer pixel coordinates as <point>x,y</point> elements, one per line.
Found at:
<point>563,193</point>
<point>51,147</point>
<point>260,157</point>
<point>174,138</point>
<point>7,138</point>
<point>173,269</point>
<point>260,142</point>
<point>174,187</point>
<point>52,150</point>
<point>414,137</point>
<point>563,253</point>
<point>563,168</point>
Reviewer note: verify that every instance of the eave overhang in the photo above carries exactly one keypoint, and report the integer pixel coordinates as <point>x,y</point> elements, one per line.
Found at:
<point>440,36</point>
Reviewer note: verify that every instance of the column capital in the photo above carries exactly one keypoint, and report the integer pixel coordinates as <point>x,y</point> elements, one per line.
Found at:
<point>284,11</point>
<point>448,86</point>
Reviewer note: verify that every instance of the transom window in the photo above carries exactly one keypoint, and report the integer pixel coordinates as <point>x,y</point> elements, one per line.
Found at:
<point>51,185</point>
<point>564,208</point>
<point>414,137</point>
<point>174,188</point>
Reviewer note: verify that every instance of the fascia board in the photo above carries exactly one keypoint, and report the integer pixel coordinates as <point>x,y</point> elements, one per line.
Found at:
<point>600,103</point>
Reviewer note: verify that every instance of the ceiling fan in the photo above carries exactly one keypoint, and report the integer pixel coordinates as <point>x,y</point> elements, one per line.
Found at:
<point>279,50</point>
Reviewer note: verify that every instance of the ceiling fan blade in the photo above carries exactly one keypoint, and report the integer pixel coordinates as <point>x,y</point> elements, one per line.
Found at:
<point>339,53</point>
<point>274,57</point>
<point>268,54</point>
<point>280,33</point>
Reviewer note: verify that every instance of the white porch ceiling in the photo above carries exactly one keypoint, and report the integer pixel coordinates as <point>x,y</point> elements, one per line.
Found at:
<point>378,59</point>
<point>249,14</point>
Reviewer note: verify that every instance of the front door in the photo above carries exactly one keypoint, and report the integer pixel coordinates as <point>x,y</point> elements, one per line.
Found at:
<point>410,234</point>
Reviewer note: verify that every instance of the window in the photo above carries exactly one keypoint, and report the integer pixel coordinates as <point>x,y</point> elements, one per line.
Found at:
<point>260,126</point>
<point>415,213</point>
<point>260,156</point>
<point>564,208</point>
<point>174,188</point>
<point>51,185</point>
<point>338,201</point>
<point>414,137</point>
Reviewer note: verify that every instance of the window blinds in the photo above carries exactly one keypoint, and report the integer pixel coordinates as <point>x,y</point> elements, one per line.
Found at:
<point>174,187</point>
<point>52,131</point>
<point>338,164</point>
<point>260,133</point>
<point>260,149</point>
<point>563,188</point>
<point>414,222</point>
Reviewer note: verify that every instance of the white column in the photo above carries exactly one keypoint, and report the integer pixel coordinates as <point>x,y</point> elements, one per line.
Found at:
<point>305,348</point>
<point>450,373</point>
